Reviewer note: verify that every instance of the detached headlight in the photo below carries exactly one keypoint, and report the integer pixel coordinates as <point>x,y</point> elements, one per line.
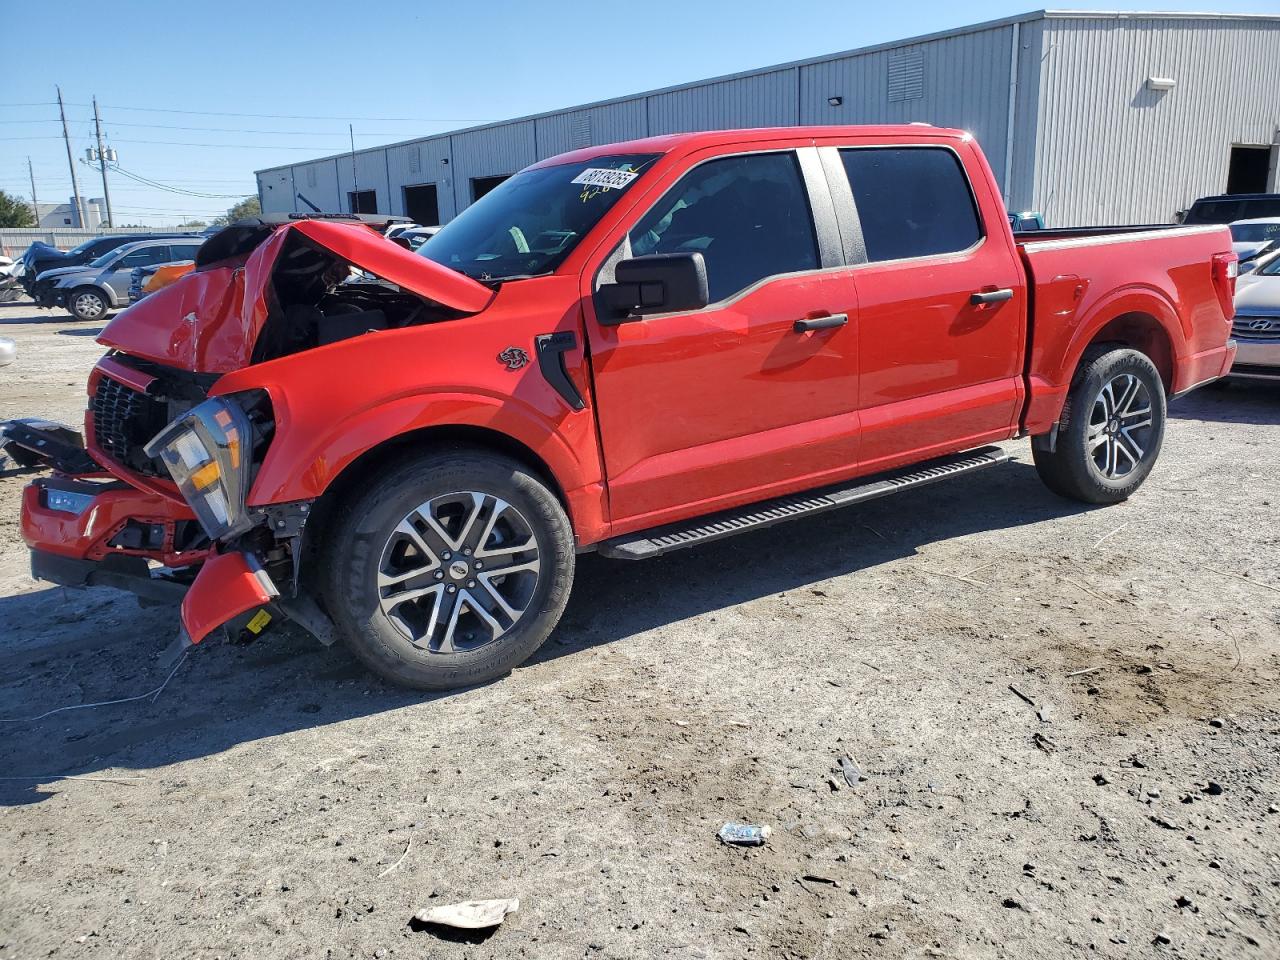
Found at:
<point>208,451</point>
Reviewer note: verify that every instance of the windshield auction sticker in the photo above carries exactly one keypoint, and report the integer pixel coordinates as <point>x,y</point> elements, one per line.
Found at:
<point>604,177</point>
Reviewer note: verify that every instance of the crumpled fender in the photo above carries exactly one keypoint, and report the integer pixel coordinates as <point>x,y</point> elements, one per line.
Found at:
<point>227,585</point>
<point>209,320</point>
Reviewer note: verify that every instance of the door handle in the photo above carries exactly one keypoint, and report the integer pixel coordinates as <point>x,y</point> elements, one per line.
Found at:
<point>990,296</point>
<point>821,323</point>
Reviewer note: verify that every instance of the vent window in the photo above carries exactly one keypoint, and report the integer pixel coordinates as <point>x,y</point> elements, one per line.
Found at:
<point>906,76</point>
<point>581,135</point>
<point>311,176</point>
<point>415,159</point>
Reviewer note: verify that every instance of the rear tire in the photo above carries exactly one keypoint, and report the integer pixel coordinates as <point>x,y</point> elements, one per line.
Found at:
<point>414,569</point>
<point>88,303</point>
<point>1111,429</point>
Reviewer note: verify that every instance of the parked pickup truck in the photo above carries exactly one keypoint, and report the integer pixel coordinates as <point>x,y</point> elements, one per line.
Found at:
<point>632,349</point>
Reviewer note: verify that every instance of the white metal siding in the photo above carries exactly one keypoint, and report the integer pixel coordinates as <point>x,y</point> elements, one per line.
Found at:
<point>435,165</point>
<point>1090,143</point>
<point>1109,150</point>
<point>275,191</point>
<point>369,172</point>
<point>324,194</point>
<point>490,152</point>
<point>964,83</point>
<point>609,123</point>
<point>763,100</point>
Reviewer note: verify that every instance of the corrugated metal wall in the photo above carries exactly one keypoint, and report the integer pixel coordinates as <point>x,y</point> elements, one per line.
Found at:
<point>962,82</point>
<point>1090,143</point>
<point>1109,150</point>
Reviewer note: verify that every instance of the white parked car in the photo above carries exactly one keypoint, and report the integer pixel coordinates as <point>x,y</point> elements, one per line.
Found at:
<point>1256,327</point>
<point>1253,238</point>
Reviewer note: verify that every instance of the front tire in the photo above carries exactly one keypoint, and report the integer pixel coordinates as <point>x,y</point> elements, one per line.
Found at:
<point>449,570</point>
<point>1111,429</point>
<point>88,303</point>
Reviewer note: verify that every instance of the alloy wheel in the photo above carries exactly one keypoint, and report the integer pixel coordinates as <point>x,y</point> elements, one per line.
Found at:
<point>89,306</point>
<point>1120,426</point>
<point>458,572</point>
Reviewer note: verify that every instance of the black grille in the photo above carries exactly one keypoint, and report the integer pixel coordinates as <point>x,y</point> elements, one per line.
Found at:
<point>123,421</point>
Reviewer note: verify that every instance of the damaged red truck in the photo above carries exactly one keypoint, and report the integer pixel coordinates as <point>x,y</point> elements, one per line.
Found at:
<point>630,348</point>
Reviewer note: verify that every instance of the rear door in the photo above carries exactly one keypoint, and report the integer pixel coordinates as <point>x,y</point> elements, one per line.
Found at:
<point>731,402</point>
<point>938,372</point>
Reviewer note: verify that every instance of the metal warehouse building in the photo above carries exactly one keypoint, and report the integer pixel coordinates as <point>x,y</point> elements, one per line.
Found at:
<point>1091,118</point>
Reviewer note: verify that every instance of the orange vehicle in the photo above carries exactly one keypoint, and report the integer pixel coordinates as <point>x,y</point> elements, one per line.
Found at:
<point>147,280</point>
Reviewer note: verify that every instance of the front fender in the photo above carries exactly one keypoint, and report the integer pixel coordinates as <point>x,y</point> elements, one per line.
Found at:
<point>333,404</point>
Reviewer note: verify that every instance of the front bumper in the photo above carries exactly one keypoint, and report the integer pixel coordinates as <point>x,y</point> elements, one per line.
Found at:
<point>1257,359</point>
<point>119,520</point>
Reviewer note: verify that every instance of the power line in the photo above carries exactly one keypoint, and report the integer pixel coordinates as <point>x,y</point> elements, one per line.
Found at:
<point>172,189</point>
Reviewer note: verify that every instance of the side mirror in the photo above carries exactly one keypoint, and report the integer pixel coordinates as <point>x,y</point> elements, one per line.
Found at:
<point>401,240</point>
<point>658,283</point>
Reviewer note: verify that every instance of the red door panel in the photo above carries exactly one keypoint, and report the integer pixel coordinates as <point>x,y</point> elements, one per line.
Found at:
<point>703,409</point>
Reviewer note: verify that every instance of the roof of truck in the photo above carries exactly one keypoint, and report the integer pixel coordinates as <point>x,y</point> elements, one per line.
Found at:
<point>690,142</point>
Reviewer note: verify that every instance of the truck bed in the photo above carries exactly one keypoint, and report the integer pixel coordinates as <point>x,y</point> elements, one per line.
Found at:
<point>1149,285</point>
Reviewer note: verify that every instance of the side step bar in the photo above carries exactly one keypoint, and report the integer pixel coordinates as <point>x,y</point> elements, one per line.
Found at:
<point>756,516</point>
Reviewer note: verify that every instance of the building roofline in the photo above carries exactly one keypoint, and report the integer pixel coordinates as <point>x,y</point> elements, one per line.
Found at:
<point>796,64</point>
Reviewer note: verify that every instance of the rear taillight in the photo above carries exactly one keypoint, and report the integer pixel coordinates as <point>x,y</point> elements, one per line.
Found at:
<point>1226,266</point>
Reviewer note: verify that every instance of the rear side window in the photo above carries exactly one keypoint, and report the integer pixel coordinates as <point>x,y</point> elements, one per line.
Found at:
<point>748,216</point>
<point>912,201</point>
<point>185,251</point>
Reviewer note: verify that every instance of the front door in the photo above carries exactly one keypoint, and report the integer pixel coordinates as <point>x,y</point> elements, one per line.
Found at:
<point>731,403</point>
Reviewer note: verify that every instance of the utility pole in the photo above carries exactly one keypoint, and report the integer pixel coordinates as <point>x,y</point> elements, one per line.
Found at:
<point>71,163</point>
<point>102,161</point>
<point>35,204</point>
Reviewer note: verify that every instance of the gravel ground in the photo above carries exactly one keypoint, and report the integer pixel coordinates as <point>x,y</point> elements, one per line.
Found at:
<point>275,801</point>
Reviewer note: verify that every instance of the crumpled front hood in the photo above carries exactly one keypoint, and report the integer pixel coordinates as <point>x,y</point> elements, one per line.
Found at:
<point>59,272</point>
<point>209,321</point>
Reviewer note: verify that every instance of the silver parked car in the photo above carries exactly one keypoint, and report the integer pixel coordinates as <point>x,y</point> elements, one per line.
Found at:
<point>90,291</point>
<point>1256,327</point>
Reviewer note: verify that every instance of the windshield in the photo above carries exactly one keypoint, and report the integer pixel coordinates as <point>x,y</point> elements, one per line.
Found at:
<point>1253,232</point>
<point>1271,268</point>
<point>1225,211</point>
<point>81,248</point>
<point>106,258</point>
<point>528,225</point>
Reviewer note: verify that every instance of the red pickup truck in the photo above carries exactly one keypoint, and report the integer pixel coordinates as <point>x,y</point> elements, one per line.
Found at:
<point>630,348</point>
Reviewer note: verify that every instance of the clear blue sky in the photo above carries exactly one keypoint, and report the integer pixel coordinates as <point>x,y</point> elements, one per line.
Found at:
<point>396,70</point>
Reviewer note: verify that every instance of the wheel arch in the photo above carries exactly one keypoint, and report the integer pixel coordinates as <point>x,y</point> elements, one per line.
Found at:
<point>1139,331</point>
<point>434,437</point>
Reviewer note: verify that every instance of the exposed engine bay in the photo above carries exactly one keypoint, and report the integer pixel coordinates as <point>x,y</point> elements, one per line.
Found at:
<point>317,298</point>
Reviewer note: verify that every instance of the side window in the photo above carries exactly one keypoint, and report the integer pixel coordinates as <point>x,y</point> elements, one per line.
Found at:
<point>912,201</point>
<point>184,251</point>
<point>748,216</point>
<point>139,258</point>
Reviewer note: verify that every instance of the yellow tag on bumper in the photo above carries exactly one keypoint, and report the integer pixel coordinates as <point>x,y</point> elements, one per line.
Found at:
<point>259,622</point>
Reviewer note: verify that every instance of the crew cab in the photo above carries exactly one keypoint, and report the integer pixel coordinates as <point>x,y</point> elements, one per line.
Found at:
<point>632,349</point>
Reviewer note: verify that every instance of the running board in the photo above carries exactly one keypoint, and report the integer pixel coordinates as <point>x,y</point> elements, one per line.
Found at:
<point>757,516</point>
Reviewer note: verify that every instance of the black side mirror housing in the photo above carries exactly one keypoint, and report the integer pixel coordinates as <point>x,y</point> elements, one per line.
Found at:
<point>658,283</point>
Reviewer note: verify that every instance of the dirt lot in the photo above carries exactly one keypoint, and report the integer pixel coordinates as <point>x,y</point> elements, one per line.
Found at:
<point>274,801</point>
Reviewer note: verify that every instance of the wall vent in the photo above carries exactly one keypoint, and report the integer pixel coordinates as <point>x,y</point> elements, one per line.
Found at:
<point>311,176</point>
<point>415,159</point>
<point>906,76</point>
<point>581,134</point>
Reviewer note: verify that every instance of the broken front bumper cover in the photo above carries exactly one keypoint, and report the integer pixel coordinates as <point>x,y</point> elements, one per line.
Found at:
<point>31,442</point>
